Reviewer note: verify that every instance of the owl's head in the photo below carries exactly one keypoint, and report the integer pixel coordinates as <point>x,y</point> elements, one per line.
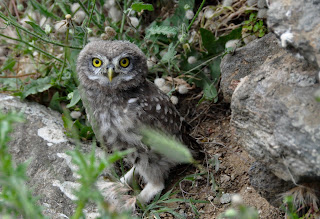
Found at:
<point>112,64</point>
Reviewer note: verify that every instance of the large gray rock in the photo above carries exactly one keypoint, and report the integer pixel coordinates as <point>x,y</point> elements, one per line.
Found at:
<point>254,54</point>
<point>41,141</point>
<point>276,117</point>
<point>297,23</point>
<point>267,184</point>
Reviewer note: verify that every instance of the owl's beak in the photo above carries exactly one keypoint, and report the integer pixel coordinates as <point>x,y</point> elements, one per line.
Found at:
<point>110,73</point>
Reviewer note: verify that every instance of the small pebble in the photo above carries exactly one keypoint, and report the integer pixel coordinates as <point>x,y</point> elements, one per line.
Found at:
<point>225,198</point>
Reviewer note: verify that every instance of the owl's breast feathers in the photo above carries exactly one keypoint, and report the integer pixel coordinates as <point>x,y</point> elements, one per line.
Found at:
<point>120,116</point>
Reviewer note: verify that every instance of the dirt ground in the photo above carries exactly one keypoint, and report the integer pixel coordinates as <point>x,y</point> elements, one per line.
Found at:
<point>211,127</point>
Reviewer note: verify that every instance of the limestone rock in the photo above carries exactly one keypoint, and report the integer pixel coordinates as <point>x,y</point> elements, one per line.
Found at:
<point>276,117</point>
<point>297,24</point>
<point>253,55</point>
<point>41,141</point>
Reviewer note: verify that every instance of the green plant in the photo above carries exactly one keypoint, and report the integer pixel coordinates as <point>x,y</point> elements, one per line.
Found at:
<point>240,212</point>
<point>255,26</point>
<point>89,169</point>
<point>289,208</point>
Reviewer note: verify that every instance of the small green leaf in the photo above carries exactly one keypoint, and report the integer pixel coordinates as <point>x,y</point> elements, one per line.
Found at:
<point>75,98</point>
<point>165,30</point>
<point>209,92</point>
<point>8,64</point>
<point>117,155</point>
<point>166,145</point>
<point>139,6</point>
<point>43,10</point>
<point>216,46</point>
<point>36,86</point>
<point>169,56</point>
<point>55,103</point>
<point>256,27</point>
<point>36,28</point>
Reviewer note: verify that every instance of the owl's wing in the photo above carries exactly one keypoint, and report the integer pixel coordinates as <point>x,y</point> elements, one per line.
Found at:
<point>159,112</point>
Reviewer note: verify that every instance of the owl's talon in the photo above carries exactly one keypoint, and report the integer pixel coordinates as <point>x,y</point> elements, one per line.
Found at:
<point>148,193</point>
<point>128,177</point>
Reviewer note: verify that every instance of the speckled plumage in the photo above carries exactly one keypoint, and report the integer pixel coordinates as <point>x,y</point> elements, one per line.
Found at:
<point>117,109</point>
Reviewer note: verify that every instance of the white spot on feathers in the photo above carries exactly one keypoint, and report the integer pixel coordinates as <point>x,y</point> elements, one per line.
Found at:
<point>158,107</point>
<point>132,100</point>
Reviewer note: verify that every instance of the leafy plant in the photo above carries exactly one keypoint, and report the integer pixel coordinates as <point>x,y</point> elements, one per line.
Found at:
<point>289,208</point>
<point>255,26</point>
<point>89,169</point>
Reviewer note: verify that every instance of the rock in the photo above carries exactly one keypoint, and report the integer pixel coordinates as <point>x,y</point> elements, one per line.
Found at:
<point>276,117</point>
<point>267,184</point>
<point>253,55</point>
<point>225,198</point>
<point>297,24</point>
<point>42,142</point>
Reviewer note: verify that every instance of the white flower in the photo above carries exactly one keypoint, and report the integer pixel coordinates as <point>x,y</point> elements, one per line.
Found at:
<point>192,60</point>
<point>115,14</point>
<point>47,28</point>
<point>75,114</point>
<point>74,7</point>
<point>174,100</point>
<point>165,89</point>
<point>233,44</point>
<point>134,21</point>
<point>79,16</point>
<point>183,89</point>
<point>89,30</point>
<point>189,14</point>
<point>192,36</point>
<point>109,4</point>
<point>208,13</point>
<point>109,33</point>
<point>159,82</point>
<point>151,61</point>
<point>61,27</point>
<point>35,53</point>
<point>20,7</point>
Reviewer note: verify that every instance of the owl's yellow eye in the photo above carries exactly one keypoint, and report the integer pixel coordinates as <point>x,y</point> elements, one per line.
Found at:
<point>124,62</point>
<point>96,62</point>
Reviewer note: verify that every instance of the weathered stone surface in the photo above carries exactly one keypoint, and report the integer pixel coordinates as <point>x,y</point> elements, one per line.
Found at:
<point>267,184</point>
<point>297,23</point>
<point>41,141</point>
<point>253,55</point>
<point>276,117</point>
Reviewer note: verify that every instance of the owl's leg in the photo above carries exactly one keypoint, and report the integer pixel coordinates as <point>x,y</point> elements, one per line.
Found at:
<point>127,178</point>
<point>149,191</point>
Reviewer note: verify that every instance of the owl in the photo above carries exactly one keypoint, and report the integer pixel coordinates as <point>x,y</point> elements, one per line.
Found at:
<point>120,101</point>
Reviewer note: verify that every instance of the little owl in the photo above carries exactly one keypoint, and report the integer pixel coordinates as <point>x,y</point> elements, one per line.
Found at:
<point>119,101</point>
